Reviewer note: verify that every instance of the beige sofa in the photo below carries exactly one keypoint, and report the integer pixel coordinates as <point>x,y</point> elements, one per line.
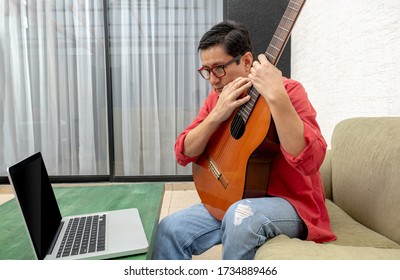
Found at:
<point>361,175</point>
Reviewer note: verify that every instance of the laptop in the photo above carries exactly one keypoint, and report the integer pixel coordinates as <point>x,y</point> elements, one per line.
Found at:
<point>102,235</point>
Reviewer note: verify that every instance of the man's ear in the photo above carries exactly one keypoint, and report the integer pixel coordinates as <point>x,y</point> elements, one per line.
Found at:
<point>248,60</point>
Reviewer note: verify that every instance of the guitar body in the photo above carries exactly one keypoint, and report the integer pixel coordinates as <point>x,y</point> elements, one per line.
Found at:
<point>231,169</point>
<point>237,159</point>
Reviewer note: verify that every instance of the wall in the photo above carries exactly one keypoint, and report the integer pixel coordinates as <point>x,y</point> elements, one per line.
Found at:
<point>261,19</point>
<point>346,54</point>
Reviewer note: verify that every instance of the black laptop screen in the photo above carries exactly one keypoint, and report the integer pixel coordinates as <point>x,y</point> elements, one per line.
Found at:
<point>37,201</point>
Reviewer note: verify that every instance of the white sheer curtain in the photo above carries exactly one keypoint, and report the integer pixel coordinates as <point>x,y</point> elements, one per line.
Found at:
<point>156,88</point>
<point>52,85</point>
<point>53,82</point>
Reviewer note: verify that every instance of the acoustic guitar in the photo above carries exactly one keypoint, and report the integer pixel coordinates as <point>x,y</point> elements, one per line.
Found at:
<point>238,156</point>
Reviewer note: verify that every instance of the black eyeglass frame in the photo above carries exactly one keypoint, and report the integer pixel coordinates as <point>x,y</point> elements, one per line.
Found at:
<point>209,70</point>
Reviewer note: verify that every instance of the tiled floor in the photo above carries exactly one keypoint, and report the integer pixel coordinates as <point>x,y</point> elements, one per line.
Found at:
<point>178,195</point>
<point>5,193</point>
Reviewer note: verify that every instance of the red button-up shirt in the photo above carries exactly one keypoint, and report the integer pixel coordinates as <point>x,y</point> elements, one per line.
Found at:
<point>296,179</point>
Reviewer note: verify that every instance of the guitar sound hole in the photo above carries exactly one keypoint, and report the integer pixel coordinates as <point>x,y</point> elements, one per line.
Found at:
<point>237,127</point>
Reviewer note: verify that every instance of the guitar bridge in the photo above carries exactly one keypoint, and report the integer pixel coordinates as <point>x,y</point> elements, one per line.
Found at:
<point>217,174</point>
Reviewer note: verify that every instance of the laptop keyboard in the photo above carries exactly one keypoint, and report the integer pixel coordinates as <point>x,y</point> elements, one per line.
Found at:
<point>83,235</point>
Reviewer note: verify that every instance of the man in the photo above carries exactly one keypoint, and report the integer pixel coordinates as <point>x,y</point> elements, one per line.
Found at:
<point>295,205</point>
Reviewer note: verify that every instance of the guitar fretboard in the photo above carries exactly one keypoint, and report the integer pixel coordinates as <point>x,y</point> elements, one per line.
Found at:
<point>282,33</point>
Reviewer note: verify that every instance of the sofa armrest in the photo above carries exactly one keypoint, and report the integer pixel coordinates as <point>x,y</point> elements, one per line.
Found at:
<point>326,173</point>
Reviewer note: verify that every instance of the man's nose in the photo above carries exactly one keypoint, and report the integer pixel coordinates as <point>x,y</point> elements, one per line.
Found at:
<point>213,78</point>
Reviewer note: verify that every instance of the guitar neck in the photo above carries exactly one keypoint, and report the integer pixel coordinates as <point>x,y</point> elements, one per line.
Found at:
<point>274,50</point>
<point>282,33</point>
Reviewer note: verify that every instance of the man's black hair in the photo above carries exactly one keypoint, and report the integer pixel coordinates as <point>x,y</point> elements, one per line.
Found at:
<point>232,36</point>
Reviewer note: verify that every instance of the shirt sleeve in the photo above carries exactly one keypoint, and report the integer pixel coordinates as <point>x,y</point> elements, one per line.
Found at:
<point>208,105</point>
<point>310,159</point>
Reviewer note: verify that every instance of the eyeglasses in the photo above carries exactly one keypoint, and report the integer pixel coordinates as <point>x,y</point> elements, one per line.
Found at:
<point>218,71</point>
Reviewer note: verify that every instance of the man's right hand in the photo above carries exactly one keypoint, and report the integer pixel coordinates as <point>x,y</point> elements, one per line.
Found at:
<point>230,99</point>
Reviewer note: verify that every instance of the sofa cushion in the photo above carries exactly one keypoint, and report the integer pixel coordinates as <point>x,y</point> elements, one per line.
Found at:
<point>351,233</point>
<point>366,172</point>
<point>285,248</point>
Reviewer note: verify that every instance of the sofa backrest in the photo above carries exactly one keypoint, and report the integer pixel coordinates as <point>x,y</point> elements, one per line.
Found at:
<point>365,158</point>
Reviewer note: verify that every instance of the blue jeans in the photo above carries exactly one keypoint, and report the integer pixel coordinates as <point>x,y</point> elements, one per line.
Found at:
<point>247,225</point>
